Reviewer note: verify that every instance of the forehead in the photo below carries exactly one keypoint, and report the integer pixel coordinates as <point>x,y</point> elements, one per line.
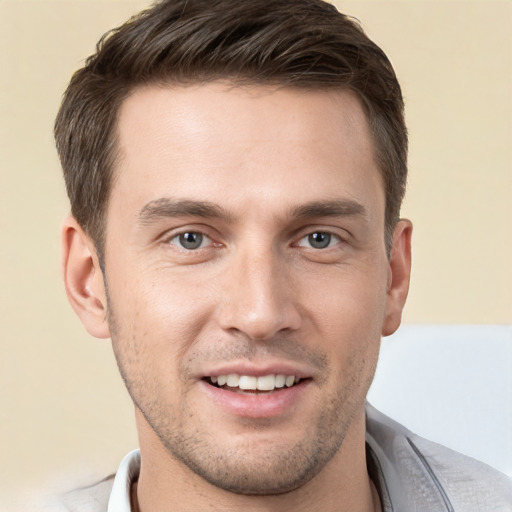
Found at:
<point>256,146</point>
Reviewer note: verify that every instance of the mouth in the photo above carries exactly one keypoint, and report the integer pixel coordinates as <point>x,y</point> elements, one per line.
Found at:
<point>257,393</point>
<point>250,384</point>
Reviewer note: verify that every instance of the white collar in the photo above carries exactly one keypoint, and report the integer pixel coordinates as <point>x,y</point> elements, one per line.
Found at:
<point>121,490</point>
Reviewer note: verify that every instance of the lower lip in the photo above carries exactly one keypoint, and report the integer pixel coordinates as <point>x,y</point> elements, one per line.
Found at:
<point>263,405</point>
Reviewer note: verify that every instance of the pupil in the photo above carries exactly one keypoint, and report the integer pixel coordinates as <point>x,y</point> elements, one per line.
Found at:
<point>319,240</point>
<point>191,240</point>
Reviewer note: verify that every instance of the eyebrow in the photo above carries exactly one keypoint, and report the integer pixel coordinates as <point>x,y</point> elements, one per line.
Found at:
<point>167,207</point>
<point>330,208</point>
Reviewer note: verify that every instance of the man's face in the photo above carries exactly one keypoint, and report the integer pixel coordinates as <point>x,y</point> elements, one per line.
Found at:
<point>245,238</point>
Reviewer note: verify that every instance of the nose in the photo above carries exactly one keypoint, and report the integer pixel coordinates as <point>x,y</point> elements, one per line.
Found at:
<point>258,298</point>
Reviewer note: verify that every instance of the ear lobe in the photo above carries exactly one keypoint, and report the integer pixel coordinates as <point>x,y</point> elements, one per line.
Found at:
<point>399,274</point>
<point>83,279</point>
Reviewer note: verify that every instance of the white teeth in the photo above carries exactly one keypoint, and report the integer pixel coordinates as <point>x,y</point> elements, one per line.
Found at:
<point>280,381</point>
<point>233,380</point>
<point>266,383</point>
<point>248,382</point>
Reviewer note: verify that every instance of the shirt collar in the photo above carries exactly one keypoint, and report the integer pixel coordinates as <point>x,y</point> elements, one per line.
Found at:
<point>128,472</point>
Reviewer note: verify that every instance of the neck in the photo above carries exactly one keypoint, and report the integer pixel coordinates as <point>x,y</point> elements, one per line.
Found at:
<point>343,485</point>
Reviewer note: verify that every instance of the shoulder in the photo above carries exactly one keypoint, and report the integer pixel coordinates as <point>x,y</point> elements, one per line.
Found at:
<point>464,479</point>
<point>93,498</point>
<point>426,476</point>
<point>113,492</point>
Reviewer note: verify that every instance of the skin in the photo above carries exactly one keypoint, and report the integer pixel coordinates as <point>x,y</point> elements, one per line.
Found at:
<point>255,171</point>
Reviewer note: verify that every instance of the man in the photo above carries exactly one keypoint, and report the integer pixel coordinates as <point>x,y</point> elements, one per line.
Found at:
<point>235,170</point>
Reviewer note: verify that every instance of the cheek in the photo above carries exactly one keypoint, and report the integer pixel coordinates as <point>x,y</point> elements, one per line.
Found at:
<point>347,314</point>
<point>347,299</point>
<point>157,319</point>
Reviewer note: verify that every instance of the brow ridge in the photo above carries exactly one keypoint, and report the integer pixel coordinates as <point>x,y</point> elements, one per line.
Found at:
<point>167,207</point>
<point>330,208</point>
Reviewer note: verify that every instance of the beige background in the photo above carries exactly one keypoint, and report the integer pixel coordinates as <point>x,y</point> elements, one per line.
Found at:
<point>63,407</point>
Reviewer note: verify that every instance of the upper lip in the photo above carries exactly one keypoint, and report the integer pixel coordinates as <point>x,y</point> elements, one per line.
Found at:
<point>257,370</point>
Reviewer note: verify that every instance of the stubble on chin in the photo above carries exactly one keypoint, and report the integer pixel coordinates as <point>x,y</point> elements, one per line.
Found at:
<point>242,467</point>
<point>258,469</point>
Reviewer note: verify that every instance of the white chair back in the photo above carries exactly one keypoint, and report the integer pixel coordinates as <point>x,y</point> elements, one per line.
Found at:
<point>451,384</point>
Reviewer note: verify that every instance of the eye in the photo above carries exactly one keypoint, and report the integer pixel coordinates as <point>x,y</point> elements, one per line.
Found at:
<point>191,240</point>
<point>319,240</point>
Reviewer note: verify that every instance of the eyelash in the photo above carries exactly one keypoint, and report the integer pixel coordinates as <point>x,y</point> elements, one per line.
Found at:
<point>178,240</point>
<point>330,237</point>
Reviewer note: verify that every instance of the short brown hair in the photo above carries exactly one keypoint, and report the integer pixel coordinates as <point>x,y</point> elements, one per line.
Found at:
<point>295,43</point>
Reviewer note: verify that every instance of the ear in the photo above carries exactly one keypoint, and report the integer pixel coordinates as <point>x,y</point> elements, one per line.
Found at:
<point>83,279</point>
<point>399,272</point>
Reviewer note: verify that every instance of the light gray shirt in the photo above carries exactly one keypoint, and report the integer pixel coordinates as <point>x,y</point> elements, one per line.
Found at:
<point>411,475</point>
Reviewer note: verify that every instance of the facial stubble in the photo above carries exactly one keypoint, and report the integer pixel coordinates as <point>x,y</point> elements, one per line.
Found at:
<point>244,468</point>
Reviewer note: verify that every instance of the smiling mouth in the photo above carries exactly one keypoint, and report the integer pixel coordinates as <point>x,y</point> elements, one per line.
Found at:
<point>251,384</point>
